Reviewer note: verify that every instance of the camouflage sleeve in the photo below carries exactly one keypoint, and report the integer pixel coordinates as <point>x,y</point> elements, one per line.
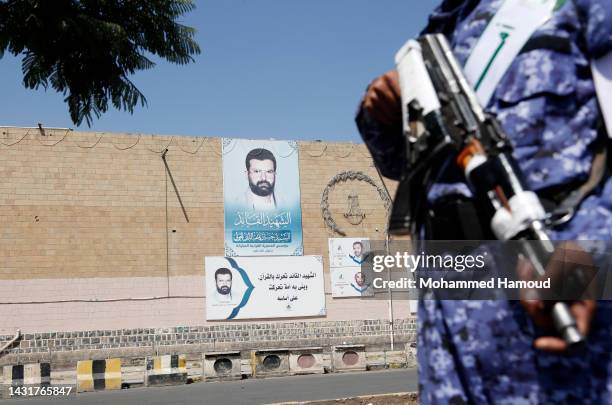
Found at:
<point>443,19</point>
<point>596,16</point>
<point>385,145</point>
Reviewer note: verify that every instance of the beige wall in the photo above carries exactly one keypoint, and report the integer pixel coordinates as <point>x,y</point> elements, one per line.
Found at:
<point>84,216</point>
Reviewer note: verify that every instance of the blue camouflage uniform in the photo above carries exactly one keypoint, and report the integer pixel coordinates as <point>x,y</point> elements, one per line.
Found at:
<point>481,351</point>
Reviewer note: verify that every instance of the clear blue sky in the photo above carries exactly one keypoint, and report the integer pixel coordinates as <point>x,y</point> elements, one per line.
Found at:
<point>284,69</point>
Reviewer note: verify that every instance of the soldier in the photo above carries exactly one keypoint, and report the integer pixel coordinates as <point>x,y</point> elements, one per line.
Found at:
<point>491,351</point>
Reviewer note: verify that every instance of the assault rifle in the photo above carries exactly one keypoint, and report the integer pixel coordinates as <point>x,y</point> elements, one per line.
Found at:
<point>444,124</point>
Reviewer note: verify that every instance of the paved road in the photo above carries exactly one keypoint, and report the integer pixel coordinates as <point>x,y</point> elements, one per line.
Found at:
<point>250,391</point>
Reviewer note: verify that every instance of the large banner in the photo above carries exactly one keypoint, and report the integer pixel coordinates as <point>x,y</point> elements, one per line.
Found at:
<point>264,287</point>
<point>261,192</point>
<point>346,255</point>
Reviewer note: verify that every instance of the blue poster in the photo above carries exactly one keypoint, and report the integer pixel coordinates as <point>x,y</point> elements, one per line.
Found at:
<point>261,194</point>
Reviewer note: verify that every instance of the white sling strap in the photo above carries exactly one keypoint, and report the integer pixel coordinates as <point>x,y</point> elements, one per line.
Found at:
<point>501,42</point>
<point>506,34</point>
<point>602,77</point>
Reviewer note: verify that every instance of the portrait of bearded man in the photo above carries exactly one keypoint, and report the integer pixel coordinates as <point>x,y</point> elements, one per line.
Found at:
<point>261,174</point>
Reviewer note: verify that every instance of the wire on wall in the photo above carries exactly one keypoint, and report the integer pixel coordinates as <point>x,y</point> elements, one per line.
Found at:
<point>320,154</point>
<point>211,142</point>
<point>350,151</point>
<point>128,147</point>
<point>39,139</point>
<point>163,156</point>
<point>163,148</point>
<point>196,149</point>
<point>92,145</point>
<point>19,140</point>
<point>104,300</point>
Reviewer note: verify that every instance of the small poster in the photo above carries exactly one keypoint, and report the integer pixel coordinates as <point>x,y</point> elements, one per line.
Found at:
<point>346,256</point>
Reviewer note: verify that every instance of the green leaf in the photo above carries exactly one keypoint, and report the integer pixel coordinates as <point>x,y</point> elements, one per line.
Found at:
<point>87,49</point>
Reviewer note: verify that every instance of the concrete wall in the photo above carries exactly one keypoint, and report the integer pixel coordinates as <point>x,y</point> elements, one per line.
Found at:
<point>92,236</point>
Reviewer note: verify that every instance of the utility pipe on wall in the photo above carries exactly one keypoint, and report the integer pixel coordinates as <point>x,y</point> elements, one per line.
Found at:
<point>10,342</point>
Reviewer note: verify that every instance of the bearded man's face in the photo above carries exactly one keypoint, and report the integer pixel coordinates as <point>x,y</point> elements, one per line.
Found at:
<point>224,283</point>
<point>360,279</point>
<point>262,177</point>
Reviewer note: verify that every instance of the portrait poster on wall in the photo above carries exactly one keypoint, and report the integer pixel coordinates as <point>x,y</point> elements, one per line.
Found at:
<point>346,255</point>
<point>261,194</point>
<point>264,287</point>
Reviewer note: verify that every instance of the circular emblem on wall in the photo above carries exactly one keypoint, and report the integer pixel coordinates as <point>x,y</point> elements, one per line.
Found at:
<point>354,214</point>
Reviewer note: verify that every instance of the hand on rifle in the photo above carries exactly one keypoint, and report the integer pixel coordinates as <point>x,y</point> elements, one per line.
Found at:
<point>571,270</point>
<point>383,101</point>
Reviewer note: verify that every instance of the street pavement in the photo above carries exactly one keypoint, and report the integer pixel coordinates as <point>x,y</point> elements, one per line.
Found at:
<point>249,391</point>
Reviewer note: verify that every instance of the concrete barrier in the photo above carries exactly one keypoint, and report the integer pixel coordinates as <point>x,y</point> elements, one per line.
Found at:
<point>98,375</point>
<point>170,369</point>
<point>349,358</point>
<point>25,375</point>
<point>306,360</point>
<point>385,359</point>
<point>411,354</point>
<point>270,362</point>
<point>36,374</point>
<point>222,366</point>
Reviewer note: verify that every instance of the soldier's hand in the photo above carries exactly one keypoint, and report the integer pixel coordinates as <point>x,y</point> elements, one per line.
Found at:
<point>382,100</point>
<point>567,258</point>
